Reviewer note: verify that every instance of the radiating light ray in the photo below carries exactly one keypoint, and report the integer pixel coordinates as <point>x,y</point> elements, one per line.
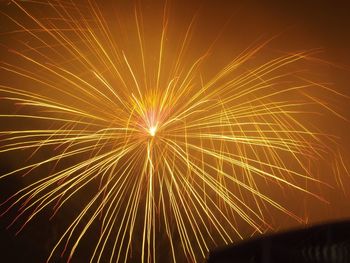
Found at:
<point>165,150</point>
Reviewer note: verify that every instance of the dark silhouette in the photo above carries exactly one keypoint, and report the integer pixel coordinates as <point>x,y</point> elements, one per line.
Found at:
<point>327,243</point>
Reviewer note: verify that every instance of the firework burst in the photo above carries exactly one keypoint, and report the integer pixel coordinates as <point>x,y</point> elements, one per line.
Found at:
<point>158,153</point>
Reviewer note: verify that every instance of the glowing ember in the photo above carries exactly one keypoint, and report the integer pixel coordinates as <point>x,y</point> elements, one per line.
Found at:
<point>152,131</point>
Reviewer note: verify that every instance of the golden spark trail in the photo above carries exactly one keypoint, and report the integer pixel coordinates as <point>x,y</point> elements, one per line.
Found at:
<point>158,157</point>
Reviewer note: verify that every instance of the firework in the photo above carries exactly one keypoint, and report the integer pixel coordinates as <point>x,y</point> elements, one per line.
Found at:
<point>120,121</point>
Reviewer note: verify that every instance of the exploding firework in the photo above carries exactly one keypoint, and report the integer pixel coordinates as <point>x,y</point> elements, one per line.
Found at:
<point>116,119</point>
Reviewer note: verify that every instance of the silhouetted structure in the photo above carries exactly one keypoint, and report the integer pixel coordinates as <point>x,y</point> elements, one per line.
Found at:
<point>328,243</point>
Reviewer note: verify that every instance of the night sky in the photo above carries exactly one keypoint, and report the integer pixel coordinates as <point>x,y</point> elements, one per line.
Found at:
<point>295,25</point>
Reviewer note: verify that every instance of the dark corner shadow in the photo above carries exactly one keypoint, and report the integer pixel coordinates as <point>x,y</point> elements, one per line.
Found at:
<point>325,243</point>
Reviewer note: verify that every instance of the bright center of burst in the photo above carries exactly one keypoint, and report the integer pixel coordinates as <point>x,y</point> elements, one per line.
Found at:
<point>152,131</point>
